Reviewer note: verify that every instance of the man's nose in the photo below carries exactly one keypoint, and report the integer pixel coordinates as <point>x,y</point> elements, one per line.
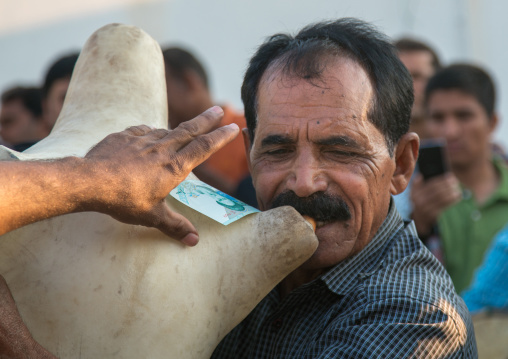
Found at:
<point>451,129</point>
<point>306,176</point>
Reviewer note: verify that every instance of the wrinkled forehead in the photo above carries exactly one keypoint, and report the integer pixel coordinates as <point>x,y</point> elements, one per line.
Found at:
<point>338,101</point>
<point>341,83</point>
<point>340,76</point>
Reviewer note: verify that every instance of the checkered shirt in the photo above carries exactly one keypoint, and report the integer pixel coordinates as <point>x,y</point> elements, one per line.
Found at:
<point>391,300</point>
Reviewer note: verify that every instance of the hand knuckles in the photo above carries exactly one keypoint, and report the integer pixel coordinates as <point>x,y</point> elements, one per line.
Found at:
<point>114,136</point>
<point>190,127</point>
<point>140,127</point>
<point>160,132</point>
<point>205,143</point>
<point>136,130</point>
<point>176,165</point>
<point>178,226</point>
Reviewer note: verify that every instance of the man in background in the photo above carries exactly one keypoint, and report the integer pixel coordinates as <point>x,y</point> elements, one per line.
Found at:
<point>188,96</point>
<point>468,205</point>
<point>56,83</point>
<point>21,122</point>
<point>422,63</point>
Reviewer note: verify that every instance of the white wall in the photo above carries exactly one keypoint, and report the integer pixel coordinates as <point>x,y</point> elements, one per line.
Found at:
<point>224,33</point>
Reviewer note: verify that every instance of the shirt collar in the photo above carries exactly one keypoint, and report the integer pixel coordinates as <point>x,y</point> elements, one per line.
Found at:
<point>502,191</point>
<point>345,275</point>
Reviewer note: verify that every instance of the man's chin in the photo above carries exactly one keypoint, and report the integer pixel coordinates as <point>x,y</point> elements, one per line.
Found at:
<point>333,247</point>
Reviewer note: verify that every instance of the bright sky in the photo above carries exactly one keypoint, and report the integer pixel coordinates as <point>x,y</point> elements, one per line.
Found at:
<point>22,14</point>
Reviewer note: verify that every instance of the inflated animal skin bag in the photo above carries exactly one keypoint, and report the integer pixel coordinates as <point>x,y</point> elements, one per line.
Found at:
<point>88,286</point>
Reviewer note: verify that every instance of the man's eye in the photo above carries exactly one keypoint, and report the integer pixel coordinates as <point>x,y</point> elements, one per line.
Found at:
<point>464,116</point>
<point>342,153</point>
<point>437,118</point>
<point>277,152</point>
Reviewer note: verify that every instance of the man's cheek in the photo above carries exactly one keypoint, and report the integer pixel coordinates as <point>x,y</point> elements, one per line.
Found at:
<point>265,185</point>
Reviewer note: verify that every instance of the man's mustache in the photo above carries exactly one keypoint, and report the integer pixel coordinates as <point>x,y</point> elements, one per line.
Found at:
<point>320,206</point>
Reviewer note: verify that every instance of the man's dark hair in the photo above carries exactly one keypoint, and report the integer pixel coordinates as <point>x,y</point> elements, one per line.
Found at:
<point>30,97</point>
<point>179,61</point>
<point>466,78</point>
<point>305,56</point>
<point>406,44</point>
<point>60,69</point>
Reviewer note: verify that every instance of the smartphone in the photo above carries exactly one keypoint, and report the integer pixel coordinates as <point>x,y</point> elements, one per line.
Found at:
<point>432,158</point>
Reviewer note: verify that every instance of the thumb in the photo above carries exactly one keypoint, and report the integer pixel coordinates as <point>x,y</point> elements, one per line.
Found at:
<point>177,226</point>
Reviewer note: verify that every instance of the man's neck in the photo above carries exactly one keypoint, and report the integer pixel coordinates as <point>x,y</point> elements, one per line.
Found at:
<point>296,279</point>
<point>481,177</point>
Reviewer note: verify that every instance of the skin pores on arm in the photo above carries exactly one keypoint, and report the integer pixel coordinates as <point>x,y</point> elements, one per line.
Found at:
<point>37,190</point>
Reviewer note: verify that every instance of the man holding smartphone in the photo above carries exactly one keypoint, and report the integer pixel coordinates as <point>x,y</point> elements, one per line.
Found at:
<point>422,62</point>
<point>468,204</point>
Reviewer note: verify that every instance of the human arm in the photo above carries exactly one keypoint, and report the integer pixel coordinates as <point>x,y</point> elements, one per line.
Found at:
<point>127,175</point>
<point>430,198</point>
<point>15,339</point>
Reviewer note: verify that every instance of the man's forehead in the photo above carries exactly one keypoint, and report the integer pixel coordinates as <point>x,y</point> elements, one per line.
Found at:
<point>287,125</point>
<point>417,60</point>
<point>337,102</point>
<point>342,76</point>
<point>14,105</point>
<point>452,97</point>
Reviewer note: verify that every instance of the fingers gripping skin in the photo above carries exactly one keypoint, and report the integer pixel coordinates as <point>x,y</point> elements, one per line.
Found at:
<point>142,165</point>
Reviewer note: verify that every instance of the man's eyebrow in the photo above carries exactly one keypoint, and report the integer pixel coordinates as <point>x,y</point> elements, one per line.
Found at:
<point>462,111</point>
<point>276,140</point>
<point>339,141</point>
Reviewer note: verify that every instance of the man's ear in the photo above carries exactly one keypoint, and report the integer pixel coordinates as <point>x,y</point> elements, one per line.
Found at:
<point>405,155</point>
<point>247,144</point>
<point>493,122</point>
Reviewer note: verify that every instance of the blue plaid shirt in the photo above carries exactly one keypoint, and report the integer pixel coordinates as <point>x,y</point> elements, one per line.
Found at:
<point>391,300</point>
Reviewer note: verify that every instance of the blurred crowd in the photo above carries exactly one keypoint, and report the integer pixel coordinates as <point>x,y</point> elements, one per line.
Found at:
<point>460,207</point>
<point>28,113</point>
<point>458,195</point>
